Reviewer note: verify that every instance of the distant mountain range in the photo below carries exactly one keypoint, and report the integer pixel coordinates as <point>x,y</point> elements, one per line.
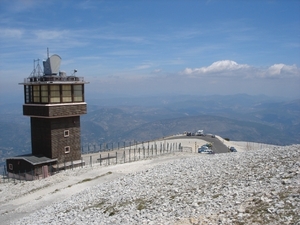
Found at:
<point>237,117</point>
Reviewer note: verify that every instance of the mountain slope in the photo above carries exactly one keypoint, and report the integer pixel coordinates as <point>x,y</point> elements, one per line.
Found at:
<point>237,117</point>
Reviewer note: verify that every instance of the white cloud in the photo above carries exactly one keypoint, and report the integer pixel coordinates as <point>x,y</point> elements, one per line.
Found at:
<point>21,5</point>
<point>11,33</point>
<point>281,70</point>
<point>141,67</point>
<point>223,66</point>
<point>51,34</point>
<point>231,68</point>
<point>157,71</point>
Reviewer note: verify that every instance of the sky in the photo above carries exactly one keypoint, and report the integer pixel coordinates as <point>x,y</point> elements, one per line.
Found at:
<point>160,47</point>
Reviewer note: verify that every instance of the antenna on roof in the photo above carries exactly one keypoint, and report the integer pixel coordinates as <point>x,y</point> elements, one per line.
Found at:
<point>37,71</point>
<point>51,65</point>
<point>74,71</point>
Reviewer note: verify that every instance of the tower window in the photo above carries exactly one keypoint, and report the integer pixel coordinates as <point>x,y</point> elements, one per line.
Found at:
<point>78,92</point>
<point>44,93</point>
<point>66,93</point>
<point>28,94</point>
<point>36,93</point>
<point>66,133</point>
<point>67,149</point>
<point>54,93</point>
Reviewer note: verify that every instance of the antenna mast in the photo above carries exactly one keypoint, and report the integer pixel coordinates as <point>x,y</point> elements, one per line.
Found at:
<point>37,71</point>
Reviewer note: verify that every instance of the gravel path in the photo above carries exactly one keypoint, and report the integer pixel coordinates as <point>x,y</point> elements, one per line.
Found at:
<point>254,187</point>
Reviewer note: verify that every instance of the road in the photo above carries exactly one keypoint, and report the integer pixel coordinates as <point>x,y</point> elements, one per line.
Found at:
<point>137,152</point>
<point>218,146</point>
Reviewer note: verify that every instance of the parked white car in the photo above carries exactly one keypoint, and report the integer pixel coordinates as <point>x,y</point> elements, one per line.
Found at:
<point>208,151</point>
<point>202,148</point>
<point>199,133</point>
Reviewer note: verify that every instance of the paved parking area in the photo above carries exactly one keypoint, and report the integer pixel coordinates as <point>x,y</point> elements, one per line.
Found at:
<point>218,146</point>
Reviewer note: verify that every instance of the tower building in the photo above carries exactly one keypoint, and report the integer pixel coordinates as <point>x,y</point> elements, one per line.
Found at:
<point>54,103</point>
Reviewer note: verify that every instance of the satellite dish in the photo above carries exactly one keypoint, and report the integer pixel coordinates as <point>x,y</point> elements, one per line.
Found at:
<point>51,65</point>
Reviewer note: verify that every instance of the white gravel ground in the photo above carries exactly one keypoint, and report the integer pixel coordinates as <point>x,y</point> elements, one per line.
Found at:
<point>248,187</point>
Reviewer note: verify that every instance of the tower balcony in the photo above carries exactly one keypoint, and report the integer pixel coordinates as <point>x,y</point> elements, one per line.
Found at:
<point>50,79</point>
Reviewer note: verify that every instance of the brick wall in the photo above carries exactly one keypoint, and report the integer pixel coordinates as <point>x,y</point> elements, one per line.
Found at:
<point>48,137</point>
<point>54,110</point>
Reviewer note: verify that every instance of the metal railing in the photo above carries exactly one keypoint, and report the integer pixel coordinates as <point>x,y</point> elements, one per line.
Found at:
<point>53,79</point>
<point>102,157</point>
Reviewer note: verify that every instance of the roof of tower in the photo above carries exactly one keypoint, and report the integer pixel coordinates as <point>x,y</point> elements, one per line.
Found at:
<point>51,73</point>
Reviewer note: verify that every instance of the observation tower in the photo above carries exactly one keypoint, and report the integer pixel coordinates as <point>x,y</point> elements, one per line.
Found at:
<point>54,103</point>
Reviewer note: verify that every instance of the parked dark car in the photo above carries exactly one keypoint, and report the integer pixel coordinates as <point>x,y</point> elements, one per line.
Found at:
<point>232,149</point>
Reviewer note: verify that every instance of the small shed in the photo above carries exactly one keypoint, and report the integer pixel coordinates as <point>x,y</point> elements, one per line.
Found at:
<point>30,167</point>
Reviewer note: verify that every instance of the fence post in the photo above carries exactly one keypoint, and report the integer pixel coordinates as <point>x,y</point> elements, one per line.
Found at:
<point>129,155</point>
<point>108,159</point>
<point>100,160</point>
<point>124,156</point>
<point>50,170</point>
<point>116,157</point>
<point>91,161</point>
<point>4,169</point>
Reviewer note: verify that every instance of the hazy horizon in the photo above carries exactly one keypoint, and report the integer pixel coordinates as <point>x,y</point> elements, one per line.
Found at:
<point>18,98</point>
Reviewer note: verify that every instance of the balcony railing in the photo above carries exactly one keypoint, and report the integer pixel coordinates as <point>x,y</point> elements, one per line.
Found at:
<point>54,79</point>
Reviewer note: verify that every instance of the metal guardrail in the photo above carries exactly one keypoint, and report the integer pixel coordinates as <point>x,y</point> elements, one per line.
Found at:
<point>53,79</point>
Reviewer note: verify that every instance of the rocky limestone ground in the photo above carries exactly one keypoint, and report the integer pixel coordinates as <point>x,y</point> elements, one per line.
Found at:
<point>254,187</point>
